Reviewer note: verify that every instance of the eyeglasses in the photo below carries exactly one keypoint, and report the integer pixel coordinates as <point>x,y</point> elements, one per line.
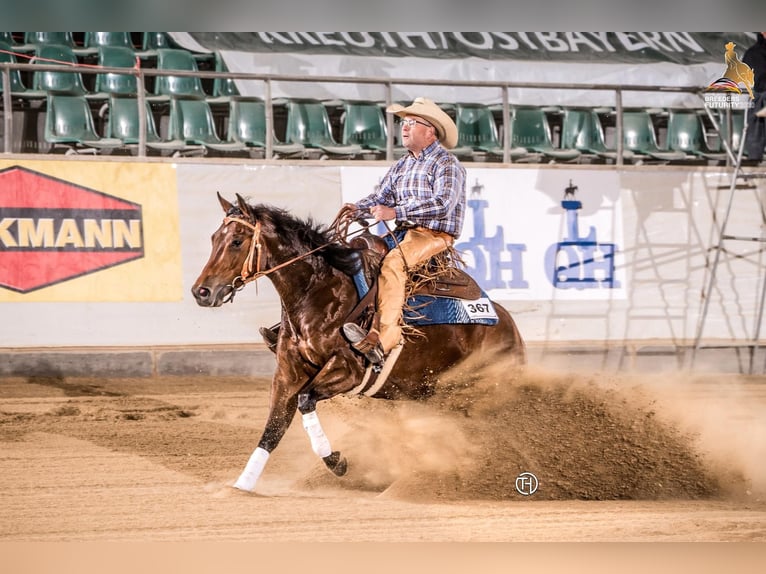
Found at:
<point>410,122</point>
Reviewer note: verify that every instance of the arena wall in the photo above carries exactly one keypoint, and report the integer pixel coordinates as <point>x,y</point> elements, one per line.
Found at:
<point>596,263</point>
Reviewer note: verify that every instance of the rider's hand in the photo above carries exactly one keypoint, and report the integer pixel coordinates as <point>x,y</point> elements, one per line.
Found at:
<point>382,212</point>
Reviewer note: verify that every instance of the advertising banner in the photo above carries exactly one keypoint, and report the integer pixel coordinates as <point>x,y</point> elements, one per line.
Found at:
<point>534,234</point>
<point>76,231</point>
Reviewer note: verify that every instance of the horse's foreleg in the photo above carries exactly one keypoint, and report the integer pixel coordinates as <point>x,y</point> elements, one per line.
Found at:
<point>280,418</point>
<point>320,444</point>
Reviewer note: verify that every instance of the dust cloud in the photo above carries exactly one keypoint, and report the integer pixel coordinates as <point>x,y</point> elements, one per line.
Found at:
<point>586,437</point>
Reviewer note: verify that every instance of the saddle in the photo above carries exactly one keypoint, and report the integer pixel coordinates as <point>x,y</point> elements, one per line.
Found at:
<point>436,278</point>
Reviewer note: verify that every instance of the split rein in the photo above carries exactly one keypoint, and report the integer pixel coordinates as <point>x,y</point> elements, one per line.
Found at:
<point>251,268</point>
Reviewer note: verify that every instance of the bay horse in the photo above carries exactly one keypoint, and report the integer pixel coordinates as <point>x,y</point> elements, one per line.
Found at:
<point>312,273</point>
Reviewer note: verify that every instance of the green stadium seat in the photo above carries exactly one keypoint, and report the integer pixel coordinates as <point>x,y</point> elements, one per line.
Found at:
<point>169,86</point>
<point>477,132</point>
<point>309,125</point>
<point>582,130</point>
<point>17,84</point>
<point>54,81</point>
<point>32,40</point>
<point>95,40</point>
<point>247,131</point>
<point>123,122</point>
<point>69,121</point>
<point>364,125</point>
<point>191,129</point>
<point>639,136</point>
<point>686,135</point>
<point>153,41</point>
<point>224,89</point>
<point>111,83</point>
<point>530,129</point>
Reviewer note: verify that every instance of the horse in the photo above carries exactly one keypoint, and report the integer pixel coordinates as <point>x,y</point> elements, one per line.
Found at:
<point>312,273</point>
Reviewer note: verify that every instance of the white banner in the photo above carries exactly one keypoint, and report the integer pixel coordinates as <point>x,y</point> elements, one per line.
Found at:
<point>534,234</point>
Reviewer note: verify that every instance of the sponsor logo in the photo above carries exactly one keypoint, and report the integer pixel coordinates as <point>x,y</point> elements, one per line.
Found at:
<point>725,92</point>
<point>53,231</point>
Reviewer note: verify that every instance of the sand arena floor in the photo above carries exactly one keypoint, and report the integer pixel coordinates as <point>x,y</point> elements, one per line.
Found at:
<point>618,458</point>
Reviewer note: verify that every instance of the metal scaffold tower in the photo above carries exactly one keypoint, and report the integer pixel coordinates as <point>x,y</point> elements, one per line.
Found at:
<point>740,180</point>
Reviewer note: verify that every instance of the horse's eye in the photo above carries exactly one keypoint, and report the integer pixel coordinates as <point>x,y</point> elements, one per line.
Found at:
<point>236,242</point>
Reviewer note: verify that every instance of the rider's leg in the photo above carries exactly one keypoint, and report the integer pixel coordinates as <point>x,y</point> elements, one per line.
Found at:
<point>418,246</point>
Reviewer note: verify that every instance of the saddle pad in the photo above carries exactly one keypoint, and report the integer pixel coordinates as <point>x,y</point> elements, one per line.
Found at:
<point>428,310</point>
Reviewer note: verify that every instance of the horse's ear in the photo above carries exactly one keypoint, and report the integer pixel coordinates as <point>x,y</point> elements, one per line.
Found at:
<point>225,204</point>
<point>244,207</point>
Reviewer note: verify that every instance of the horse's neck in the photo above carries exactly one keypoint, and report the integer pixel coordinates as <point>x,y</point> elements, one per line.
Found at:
<point>300,292</point>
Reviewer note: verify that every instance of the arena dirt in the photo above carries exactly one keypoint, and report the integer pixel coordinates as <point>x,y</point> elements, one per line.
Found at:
<point>617,457</point>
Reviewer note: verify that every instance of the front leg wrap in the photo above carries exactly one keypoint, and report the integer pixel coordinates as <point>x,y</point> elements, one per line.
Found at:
<point>253,470</point>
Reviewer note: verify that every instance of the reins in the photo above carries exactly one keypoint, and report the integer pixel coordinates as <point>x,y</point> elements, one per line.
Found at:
<point>339,233</point>
<point>247,274</point>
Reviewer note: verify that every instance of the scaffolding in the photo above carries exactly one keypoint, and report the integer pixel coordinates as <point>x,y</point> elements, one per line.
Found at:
<point>739,180</point>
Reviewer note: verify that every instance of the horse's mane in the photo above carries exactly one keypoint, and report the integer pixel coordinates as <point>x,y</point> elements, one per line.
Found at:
<point>307,235</point>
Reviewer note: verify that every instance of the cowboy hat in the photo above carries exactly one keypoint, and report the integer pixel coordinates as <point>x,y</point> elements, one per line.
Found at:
<point>424,108</point>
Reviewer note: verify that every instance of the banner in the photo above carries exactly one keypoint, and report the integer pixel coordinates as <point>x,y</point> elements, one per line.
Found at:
<point>580,60</point>
<point>77,231</point>
<point>562,241</point>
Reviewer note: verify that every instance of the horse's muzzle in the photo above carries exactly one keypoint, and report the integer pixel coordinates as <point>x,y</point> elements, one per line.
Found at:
<point>207,297</point>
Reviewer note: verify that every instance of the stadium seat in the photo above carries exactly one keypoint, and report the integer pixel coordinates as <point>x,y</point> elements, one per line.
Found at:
<point>110,83</point>
<point>685,135</point>
<point>247,131</point>
<point>582,130</point>
<point>17,84</point>
<point>95,40</point>
<point>167,86</point>
<point>123,122</point>
<point>477,132</point>
<point>309,125</point>
<point>153,41</point>
<point>364,125</point>
<point>53,81</point>
<point>638,136</point>
<point>69,121</point>
<point>33,40</point>
<point>224,89</point>
<point>737,125</point>
<point>530,129</point>
<point>191,129</point>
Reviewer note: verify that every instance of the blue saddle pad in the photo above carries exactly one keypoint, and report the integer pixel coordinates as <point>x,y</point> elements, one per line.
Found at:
<point>429,310</point>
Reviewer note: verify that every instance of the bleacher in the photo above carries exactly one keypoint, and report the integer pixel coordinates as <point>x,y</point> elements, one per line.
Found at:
<point>191,108</point>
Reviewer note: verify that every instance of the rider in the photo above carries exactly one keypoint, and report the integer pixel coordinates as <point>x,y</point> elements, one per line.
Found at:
<point>424,191</point>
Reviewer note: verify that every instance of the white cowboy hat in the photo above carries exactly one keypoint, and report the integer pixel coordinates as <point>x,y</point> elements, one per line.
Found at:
<point>446,130</point>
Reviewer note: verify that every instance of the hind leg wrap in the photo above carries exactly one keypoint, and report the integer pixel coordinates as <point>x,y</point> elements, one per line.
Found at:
<point>320,444</point>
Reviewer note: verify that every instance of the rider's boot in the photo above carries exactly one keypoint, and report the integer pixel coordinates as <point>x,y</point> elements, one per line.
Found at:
<point>270,336</point>
<point>366,343</point>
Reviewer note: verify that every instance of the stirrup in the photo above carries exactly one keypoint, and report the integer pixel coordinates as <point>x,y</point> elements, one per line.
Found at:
<point>368,344</point>
<point>270,336</point>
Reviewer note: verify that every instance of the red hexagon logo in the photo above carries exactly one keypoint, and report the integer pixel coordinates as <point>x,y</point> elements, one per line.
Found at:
<point>53,230</point>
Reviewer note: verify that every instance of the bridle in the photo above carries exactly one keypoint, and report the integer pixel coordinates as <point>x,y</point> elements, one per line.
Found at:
<point>248,274</point>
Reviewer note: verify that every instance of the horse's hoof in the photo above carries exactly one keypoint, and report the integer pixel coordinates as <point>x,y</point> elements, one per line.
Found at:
<point>336,463</point>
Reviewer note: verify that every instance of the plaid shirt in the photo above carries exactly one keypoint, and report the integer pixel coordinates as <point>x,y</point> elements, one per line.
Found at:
<point>428,190</point>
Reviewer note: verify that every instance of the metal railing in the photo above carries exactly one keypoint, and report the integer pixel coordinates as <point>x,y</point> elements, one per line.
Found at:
<point>387,83</point>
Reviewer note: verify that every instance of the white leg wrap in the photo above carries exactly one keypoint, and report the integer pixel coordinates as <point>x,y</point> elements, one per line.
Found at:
<point>253,470</point>
<point>320,444</point>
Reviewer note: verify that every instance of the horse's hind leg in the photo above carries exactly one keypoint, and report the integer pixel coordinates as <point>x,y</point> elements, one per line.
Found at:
<point>320,444</point>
